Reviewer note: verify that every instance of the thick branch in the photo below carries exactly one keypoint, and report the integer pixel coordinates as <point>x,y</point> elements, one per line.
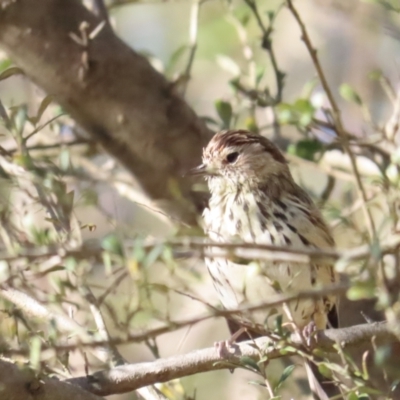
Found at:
<point>111,91</point>
<point>131,377</point>
<point>19,383</point>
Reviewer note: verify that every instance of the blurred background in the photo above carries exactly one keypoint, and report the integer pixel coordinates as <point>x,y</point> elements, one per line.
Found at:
<point>358,44</point>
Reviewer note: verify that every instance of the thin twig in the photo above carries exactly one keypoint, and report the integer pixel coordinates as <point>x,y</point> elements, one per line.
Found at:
<point>267,45</point>
<point>171,326</point>
<point>55,145</point>
<point>34,309</point>
<point>193,32</point>
<point>147,393</point>
<point>113,354</point>
<point>192,246</point>
<point>336,117</point>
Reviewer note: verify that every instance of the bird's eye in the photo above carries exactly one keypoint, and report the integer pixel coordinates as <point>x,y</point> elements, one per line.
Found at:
<point>232,157</point>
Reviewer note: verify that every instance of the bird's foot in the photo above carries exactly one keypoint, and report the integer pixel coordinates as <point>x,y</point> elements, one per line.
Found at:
<point>309,332</point>
<point>225,348</point>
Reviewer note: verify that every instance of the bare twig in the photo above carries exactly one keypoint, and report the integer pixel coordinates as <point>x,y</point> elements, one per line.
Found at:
<point>276,300</point>
<point>336,117</point>
<point>193,32</point>
<point>147,393</point>
<point>34,309</point>
<point>113,354</point>
<point>194,246</point>
<point>267,45</point>
<point>57,145</point>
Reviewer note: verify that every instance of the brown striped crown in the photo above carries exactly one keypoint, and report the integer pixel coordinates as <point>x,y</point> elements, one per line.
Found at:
<point>239,138</point>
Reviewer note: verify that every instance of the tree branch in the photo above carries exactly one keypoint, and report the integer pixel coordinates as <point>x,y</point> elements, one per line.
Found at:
<point>131,377</point>
<point>341,132</point>
<point>20,383</point>
<point>112,92</point>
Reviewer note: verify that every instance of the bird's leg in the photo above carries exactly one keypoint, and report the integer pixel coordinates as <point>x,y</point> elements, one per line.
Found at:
<point>225,347</point>
<point>308,333</point>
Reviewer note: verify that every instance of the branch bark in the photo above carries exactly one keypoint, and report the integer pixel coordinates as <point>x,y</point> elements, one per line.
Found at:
<point>112,92</point>
<point>19,383</point>
<point>133,376</point>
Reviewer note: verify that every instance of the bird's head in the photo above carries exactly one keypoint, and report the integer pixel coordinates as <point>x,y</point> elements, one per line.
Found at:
<point>239,157</point>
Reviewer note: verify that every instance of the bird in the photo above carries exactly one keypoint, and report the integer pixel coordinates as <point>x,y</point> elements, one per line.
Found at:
<point>254,199</point>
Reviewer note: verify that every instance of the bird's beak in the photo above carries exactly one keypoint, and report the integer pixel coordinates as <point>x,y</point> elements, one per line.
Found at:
<point>199,170</point>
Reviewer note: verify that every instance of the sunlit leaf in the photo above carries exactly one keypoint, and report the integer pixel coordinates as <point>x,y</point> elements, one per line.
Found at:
<point>35,352</point>
<point>324,370</point>
<point>349,94</point>
<point>4,64</point>
<point>251,124</point>
<point>257,383</point>
<point>224,110</point>
<point>65,159</point>
<point>285,114</point>
<point>228,64</point>
<point>113,244</point>
<point>42,108</point>
<point>375,75</point>
<point>260,71</point>
<point>176,56</point>
<point>153,255</point>
<point>361,290</point>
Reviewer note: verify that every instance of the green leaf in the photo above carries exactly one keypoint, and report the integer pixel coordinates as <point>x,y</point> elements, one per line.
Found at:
<point>324,370</point>
<point>42,108</point>
<point>176,56</point>
<point>352,396</point>
<point>271,15</point>
<point>382,354</point>
<point>70,264</point>
<point>260,71</point>
<point>349,94</point>
<point>4,64</point>
<point>35,352</point>
<point>257,383</point>
<point>20,116</point>
<point>385,4</point>
<point>64,159</point>
<point>251,124</point>
<point>107,263</point>
<point>112,244</point>
<point>285,114</point>
<point>306,149</point>
<point>153,255</point>
<point>375,75</point>
<point>249,363</point>
<point>4,117</point>
<point>285,374</point>
<point>224,110</point>
<point>361,290</point>
<point>305,111</point>
<point>228,64</point>
<point>244,19</point>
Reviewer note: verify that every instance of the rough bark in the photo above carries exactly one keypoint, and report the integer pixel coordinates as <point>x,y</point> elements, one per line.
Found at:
<point>112,92</point>
<point>20,383</point>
